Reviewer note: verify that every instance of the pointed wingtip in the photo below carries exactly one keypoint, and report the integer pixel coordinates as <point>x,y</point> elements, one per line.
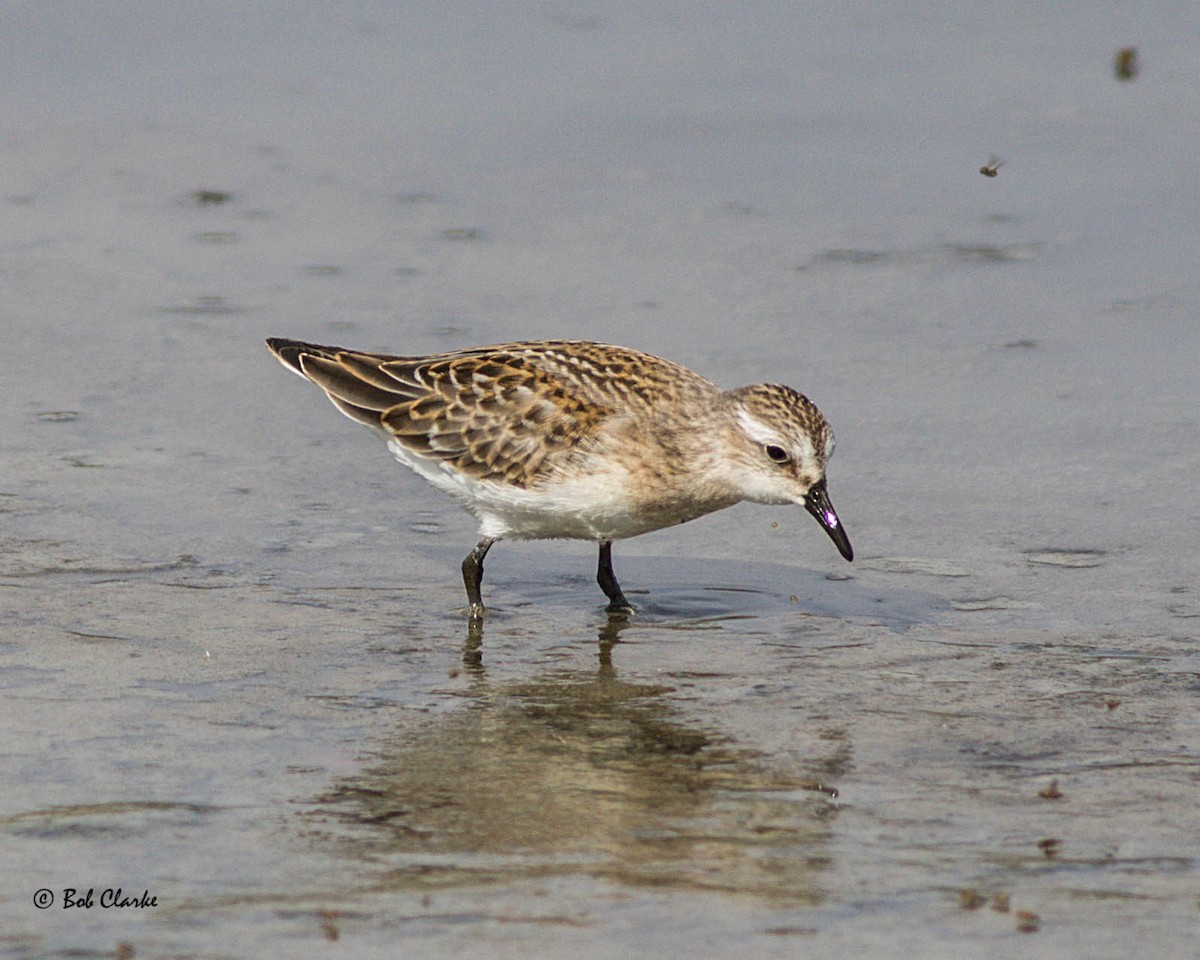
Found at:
<point>288,352</point>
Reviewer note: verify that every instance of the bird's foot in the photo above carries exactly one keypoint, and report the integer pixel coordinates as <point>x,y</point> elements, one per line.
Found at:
<point>620,607</point>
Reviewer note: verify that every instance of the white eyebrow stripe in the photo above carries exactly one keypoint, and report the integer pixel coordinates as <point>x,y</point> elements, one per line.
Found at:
<point>799,447</point>
<point>756,430</point>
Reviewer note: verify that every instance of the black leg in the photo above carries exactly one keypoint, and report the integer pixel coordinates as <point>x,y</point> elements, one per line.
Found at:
<point>608,581</point>
<point>472,569</point>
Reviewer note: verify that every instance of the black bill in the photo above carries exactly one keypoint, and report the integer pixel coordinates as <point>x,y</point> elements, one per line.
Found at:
<point>816,502</point>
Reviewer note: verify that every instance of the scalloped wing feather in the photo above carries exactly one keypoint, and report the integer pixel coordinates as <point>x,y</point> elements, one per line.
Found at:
<point>492,420</point>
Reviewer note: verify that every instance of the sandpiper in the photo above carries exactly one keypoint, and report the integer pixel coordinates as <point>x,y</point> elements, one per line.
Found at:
<point>572,439</point>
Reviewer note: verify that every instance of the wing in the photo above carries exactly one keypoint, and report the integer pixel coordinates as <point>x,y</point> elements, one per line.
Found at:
<point>510,413</point>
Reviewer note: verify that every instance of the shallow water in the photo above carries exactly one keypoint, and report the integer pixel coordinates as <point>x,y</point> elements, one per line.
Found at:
<point>237,675</point>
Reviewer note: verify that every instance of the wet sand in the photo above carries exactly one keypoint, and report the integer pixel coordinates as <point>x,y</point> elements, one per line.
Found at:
<point>237,673</point>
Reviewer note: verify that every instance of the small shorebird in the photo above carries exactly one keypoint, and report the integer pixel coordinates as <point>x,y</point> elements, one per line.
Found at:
<point>587,441</point>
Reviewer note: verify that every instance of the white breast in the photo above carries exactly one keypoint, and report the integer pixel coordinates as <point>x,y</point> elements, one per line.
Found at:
<point>592,506</point>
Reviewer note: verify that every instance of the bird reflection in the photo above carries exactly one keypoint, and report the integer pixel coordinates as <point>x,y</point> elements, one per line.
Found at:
<point>579,771</point>
<point>609,637</point>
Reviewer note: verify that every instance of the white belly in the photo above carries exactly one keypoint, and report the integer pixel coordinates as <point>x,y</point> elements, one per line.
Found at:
<point>598,505</point>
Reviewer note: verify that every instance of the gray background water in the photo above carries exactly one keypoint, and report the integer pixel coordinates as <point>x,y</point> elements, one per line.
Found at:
<point>233,645</point>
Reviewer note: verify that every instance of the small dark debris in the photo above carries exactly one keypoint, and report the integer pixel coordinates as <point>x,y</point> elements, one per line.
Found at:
<point>1126,65</point>
<point>1050,846</point>
<point>1000,902</point>
<point>328,927</point>
<point>216,237</point>
<point>463,233</point>
<point>1051,792</point>
<point>1027,921</point>
<point>971,899</point>
<point>210,198</point>
<point>992,167</point>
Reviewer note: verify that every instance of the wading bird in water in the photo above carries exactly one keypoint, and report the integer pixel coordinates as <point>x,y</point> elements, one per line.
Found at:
<point>572,439</point>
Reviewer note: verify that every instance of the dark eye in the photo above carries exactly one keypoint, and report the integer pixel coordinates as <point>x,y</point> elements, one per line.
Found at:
<point>777,454</point>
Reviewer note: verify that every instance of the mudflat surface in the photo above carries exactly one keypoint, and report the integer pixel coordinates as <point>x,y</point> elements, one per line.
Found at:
<point>237,677</point>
